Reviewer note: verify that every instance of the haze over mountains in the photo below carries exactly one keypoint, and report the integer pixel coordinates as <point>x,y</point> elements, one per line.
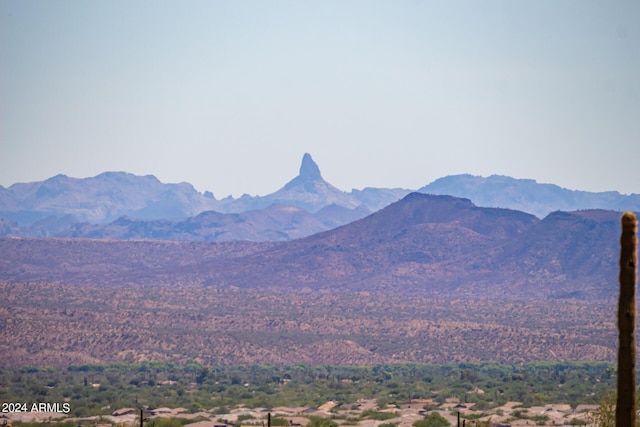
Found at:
<point>119,205</point>
<point>424,245</point>
<point>527,195</point>
<point>161,272</point>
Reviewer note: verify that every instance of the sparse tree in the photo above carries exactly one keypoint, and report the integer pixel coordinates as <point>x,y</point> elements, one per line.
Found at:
<point>605,415</point>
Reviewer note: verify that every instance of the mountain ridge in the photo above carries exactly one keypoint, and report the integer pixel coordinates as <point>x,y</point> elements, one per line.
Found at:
<point>426,245</point>
<point>528,195</point>
<point>62,206</point>
<point>429,278</point>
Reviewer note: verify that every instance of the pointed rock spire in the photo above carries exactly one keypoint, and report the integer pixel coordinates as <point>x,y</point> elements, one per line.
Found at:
<point>309,169</point>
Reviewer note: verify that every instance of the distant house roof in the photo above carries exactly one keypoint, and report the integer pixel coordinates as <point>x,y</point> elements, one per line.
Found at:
<point>327,406</point>
<point>584,408</point>
<point>123,411</point>
<point>289,409</point>
<point>158,411</point>
<point>202,424</point>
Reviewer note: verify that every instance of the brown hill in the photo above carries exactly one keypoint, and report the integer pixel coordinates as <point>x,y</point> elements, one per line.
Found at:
<point>411,246</point>
<point>427,279</point>
<point>436,246</point>
<point>568,254</point>
<point>440,245</point>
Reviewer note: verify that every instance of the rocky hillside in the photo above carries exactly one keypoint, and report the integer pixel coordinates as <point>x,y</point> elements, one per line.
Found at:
<point>118,205</point>
<point>435,246</point>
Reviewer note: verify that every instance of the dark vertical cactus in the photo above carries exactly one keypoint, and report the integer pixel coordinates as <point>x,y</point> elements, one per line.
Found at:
<point>626,403</point>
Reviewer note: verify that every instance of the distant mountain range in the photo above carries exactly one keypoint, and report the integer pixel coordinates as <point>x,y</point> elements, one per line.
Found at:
<point>119,205</point>
<point>445,247</point>
<point>423,245</point>
<point>134,269</point>
<point>527,195</point>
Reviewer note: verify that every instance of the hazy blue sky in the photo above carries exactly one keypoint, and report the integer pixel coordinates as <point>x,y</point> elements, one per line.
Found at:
<point>228,95</point>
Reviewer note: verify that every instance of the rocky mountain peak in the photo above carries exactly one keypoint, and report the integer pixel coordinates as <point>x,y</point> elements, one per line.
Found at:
<point>309,170</point>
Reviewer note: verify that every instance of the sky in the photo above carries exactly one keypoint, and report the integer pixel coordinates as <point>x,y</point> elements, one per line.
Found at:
<point>229,95</point>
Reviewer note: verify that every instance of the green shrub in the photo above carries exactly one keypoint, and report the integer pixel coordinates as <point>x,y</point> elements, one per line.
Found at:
<point>321,422</point>
<point>434,419</point>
